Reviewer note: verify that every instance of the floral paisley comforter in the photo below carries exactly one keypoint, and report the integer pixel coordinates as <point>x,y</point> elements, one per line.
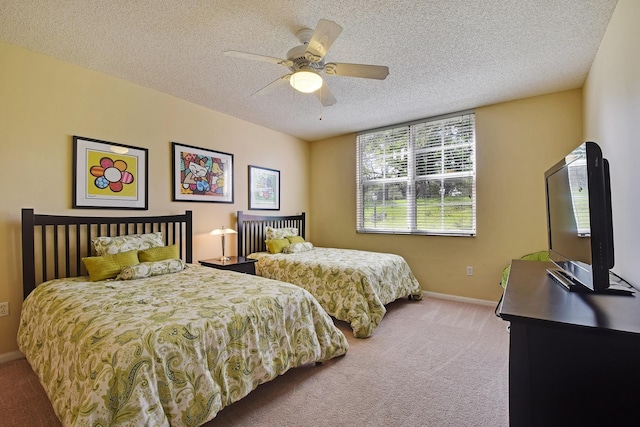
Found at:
<point>351,285</point>
<point>167,350</point>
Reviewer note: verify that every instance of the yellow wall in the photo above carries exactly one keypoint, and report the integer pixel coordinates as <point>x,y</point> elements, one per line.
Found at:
<point>44,102</point>
<point>516,143</point>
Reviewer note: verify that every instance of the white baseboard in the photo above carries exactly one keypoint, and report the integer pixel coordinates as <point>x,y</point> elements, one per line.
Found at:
<point>12,355</point>
<point>461,299</point>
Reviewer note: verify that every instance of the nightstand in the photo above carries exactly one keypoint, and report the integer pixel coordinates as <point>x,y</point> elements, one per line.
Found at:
<point>235,263</point>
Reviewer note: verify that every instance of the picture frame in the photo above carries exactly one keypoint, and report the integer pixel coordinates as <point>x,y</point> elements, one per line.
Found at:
<point>201,175</point>
<point>264,188</point>
<point>108,175</point>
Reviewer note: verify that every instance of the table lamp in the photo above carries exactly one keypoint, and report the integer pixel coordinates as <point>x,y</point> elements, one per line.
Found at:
<point>222,231</point>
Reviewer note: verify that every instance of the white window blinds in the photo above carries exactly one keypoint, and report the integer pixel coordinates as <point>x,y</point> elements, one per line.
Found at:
<point>418,178</point>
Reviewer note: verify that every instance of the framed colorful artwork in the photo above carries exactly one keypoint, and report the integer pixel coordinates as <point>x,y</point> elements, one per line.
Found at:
<point>109,175</point>
<point>201,175</point>
<point>264,188</point>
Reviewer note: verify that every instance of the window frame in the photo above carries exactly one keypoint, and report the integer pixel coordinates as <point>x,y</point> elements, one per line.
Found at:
<point>413,176</point>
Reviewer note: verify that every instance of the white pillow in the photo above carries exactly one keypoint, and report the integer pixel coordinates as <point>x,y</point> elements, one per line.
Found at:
<point>117,244</point>
<point>294,248</point>
<point>279,233</point>
<point>148,269</point>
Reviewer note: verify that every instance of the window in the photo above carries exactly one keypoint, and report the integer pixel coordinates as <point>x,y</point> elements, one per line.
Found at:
<point>418,178</point>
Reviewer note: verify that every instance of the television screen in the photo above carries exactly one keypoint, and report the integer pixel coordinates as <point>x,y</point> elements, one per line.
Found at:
<point>579,223</point>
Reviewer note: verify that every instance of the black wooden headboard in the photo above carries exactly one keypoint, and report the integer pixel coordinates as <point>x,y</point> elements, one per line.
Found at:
<point>251,230</point>
<point>53,245</point>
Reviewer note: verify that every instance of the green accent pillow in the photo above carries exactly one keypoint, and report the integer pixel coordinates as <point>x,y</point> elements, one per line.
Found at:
<point>295,239</point>
<point>275,246</point>
<point>159,253</point>
<point>109,266</point>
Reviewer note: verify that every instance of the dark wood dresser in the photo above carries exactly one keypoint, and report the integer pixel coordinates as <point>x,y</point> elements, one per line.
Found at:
<point>574,358</point>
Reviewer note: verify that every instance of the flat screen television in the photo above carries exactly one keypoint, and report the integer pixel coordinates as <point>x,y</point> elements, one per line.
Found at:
<point>579,221</point>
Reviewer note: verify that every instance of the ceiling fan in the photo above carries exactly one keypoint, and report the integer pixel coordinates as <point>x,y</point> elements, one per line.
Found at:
<point>307,61</point>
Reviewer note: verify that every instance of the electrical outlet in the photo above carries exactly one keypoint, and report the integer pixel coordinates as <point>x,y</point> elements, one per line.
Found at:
<point>469,270</point>
<point>4,309</point>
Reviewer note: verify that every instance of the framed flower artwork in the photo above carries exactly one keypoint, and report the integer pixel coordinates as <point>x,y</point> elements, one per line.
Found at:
<point>264,188</point>
<point>201,175</point>
<point>108,175</point>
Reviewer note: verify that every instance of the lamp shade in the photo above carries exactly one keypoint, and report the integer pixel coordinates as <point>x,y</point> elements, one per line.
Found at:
<point>223,230</point>
<point>305,81</point>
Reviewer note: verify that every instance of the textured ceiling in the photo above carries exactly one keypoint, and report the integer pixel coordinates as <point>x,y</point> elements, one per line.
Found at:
<point>443,55</point>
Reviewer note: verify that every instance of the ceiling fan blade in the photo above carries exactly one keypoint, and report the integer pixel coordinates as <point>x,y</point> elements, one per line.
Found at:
<point>325,34</point>
<point>273,85</point>
<point>379,72</point>
<point>254,57</point>
<point>325,96</point>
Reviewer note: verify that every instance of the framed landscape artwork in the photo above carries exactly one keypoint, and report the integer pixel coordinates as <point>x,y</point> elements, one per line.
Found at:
<point>201,175</point>
<point>264,188</point>
<point>107,175</point>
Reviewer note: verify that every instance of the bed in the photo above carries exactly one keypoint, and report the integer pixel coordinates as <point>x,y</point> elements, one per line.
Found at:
<point>154,345</point>
<point>351,285</point>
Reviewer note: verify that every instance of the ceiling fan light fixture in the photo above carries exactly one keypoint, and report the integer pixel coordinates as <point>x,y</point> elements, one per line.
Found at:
<point>305,81</point>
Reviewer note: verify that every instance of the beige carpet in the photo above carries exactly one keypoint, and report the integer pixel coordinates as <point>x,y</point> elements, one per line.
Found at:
<point>430,363</point>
